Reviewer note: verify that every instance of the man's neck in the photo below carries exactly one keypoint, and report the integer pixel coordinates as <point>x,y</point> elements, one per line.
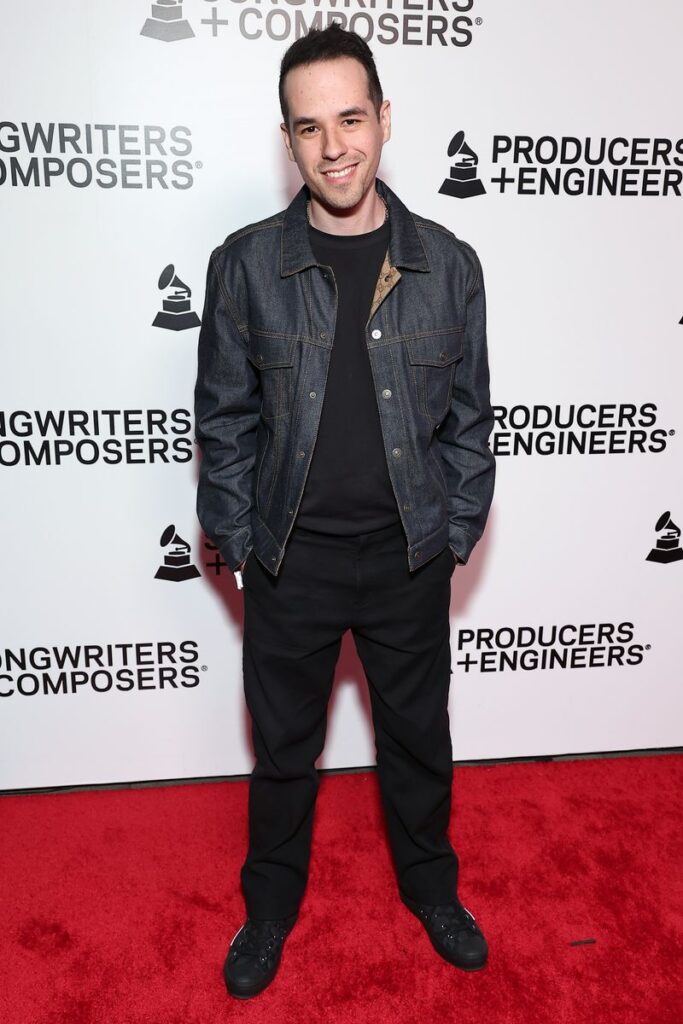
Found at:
<point>367,215</point>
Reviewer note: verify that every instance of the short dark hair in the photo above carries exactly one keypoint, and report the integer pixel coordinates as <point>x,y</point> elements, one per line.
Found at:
<point>326,44</point>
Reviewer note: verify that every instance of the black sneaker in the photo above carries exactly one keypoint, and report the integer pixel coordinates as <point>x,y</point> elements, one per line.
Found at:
<point>453,932</point>
<point>254,955</point>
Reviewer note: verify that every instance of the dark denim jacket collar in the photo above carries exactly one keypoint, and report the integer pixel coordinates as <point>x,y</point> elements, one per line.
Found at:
<point>405,246</point>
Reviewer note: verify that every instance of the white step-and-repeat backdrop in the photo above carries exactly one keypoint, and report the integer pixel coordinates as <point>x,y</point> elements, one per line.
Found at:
<point>133,138</point>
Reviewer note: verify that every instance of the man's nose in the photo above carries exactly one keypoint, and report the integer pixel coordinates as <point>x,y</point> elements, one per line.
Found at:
<point>334,145</point>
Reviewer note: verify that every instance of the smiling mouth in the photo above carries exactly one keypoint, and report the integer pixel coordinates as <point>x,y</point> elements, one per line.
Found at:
<point>340,173</point>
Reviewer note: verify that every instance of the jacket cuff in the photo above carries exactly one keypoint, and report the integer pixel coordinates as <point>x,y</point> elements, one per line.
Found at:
<point>460,543</point>
<point>235,549</point>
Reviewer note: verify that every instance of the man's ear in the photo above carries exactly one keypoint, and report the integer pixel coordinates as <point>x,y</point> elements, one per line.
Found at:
<point>385,119</point>
<point>286,139</point>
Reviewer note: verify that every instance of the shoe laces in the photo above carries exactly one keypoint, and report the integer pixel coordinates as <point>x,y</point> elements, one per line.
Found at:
<point>259,938</point>
<point>452,920</point>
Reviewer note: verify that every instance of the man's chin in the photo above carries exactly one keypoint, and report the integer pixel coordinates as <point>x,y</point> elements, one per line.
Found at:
<point>340,202</point>
<point>338,199</point>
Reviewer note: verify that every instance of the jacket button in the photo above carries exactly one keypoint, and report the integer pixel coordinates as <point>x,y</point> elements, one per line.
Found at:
<point>323,334</point>
<point>396,452</point>
<point>442,355</point>
<point>377,333</point>
<point>300,455</point>
<point>259,358</point>
<point>386,393</point>
<point>290,511</point>
<point>417,555</point>
<point>311,394</point>
<point>406,508</point>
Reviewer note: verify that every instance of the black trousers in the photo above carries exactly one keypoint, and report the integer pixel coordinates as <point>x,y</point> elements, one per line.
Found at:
<point>293,627</point>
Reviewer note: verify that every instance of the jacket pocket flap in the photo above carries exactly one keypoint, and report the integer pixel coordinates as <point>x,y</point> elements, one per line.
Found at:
<point>436,349</point>
<point>267,351</point>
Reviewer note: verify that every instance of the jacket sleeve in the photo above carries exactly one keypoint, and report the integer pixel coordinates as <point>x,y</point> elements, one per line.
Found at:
<point>227,404</point>
<point>468,462</point>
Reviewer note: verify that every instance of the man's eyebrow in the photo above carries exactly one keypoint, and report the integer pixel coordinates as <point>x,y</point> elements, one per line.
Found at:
<point>303,120</point>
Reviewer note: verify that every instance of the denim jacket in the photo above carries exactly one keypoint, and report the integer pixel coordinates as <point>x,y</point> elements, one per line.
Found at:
<point>264,349</point>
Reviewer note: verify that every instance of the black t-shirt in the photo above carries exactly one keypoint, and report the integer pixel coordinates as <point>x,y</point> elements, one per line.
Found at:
<point>348,489</point>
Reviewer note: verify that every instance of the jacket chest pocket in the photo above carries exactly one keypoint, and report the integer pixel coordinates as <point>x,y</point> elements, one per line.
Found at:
<point>432,361</point>
<point>273,357</point>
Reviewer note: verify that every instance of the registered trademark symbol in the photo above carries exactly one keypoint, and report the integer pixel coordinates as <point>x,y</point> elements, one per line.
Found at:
<point>203,668</point>
<point>671,433</point>
<point>478,21</point>
<point>199,164</point>
<point>648,646</point>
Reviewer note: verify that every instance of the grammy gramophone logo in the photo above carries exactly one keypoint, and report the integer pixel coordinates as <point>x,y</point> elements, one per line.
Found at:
<point>167,23</point>
<point>176,313</point>
<point>177,565</point>
<point>668,545</point>
<point>464,181</point>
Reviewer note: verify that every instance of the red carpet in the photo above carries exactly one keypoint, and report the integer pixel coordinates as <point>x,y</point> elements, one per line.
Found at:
<point>118,905</point>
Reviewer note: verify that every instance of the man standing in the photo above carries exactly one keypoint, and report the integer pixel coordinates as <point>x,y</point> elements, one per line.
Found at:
<point>342,408</point>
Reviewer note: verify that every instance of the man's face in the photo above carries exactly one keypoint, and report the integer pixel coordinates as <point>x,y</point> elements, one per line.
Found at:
<point>333,127</point>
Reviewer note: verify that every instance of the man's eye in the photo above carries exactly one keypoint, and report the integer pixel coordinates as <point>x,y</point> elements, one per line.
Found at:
<point>312,127</point>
